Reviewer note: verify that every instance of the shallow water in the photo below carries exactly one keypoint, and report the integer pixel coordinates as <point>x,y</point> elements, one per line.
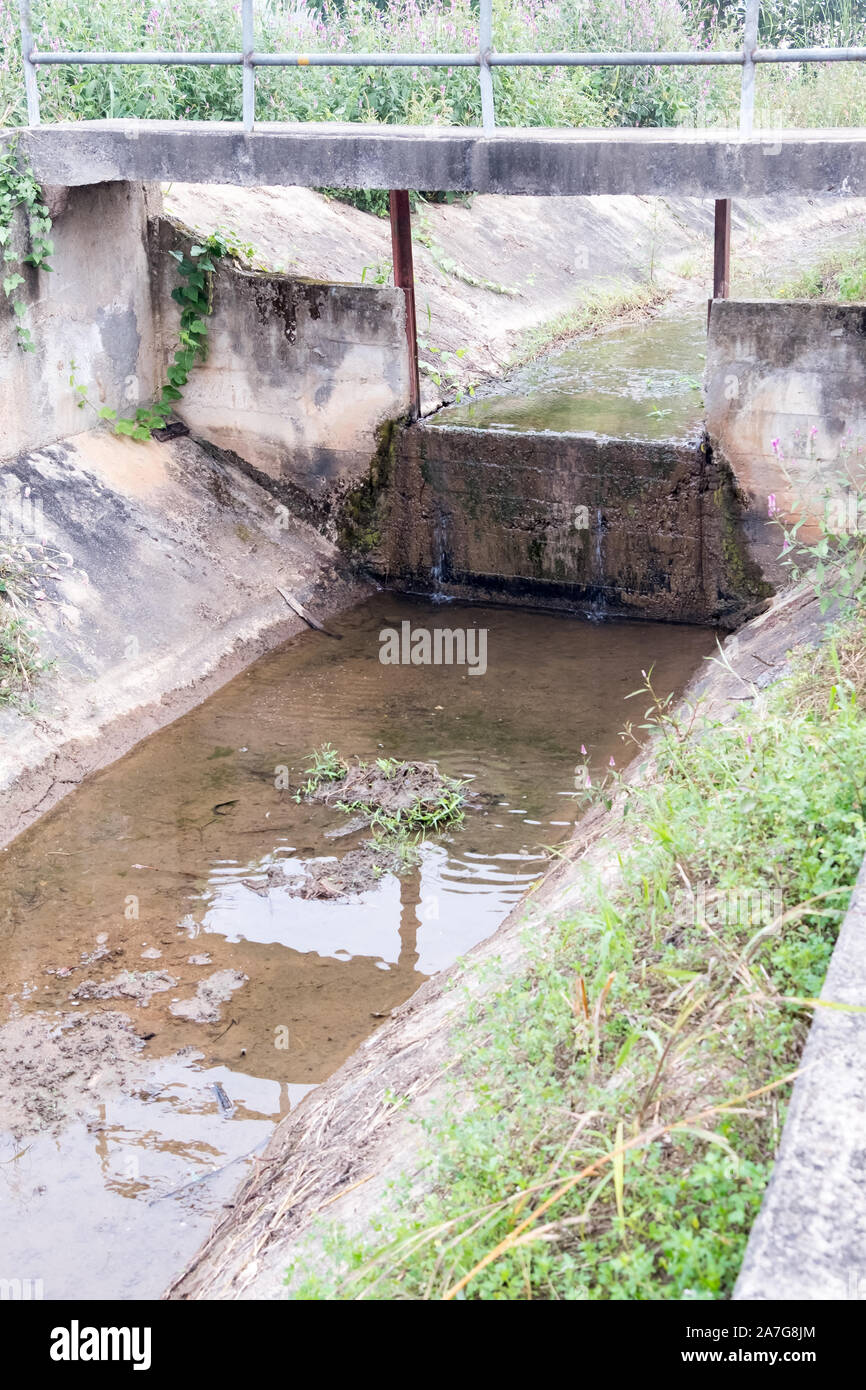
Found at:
<point>168,852</point>
<point>631,382</point>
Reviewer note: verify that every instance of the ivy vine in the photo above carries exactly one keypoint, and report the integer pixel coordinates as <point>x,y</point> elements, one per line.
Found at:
<point>19,189</point>
<point>195,297</point>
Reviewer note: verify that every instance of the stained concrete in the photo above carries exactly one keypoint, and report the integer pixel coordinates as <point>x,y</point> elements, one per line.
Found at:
<point>490,271</point>
<point>809,1241</point>
<point>299,373</point>
<point>166,566</point>
<point>90,318</point>
<point>714,163</point>
<point>785,392</point>
<point>629,528</point>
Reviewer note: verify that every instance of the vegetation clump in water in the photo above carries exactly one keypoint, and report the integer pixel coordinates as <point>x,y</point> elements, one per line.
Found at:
<point>401,802</point>
<point>393,797</point>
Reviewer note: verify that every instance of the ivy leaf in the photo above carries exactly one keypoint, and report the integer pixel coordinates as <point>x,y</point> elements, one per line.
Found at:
<point>106,413</point>
<point>11,283</point>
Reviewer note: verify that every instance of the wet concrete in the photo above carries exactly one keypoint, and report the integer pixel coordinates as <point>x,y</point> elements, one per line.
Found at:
<point>172,862</point>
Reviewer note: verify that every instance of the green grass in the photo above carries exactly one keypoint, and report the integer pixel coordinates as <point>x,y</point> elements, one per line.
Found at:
<point>325,765</point>
<point>839,277</point>
<point>614,1124</point>
<point>596,310</point>
<point>21,662</point>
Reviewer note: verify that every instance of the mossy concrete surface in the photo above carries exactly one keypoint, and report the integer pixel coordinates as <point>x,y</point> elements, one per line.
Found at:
<point>615,527</point>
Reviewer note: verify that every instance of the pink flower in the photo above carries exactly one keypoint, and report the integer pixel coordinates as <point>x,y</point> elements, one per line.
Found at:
<point>583,749</point>
<point>771,504</point>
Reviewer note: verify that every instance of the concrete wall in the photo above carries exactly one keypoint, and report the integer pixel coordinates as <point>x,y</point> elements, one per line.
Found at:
<point>299,374</point>
<point>94,309</point>
<point>638,529</point>
<point>785,396</point>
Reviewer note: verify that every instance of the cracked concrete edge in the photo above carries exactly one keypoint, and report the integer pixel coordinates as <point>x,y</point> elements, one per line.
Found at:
<point>809,1241</point>
<point>39,786</point>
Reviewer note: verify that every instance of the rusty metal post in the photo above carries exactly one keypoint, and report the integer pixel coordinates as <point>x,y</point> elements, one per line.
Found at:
<point>722,250</point>
<point>404,279</point>
<point>721,253</point>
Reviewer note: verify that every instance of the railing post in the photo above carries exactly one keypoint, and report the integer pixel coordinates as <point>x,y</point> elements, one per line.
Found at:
<point>30,87</point>
<point>404,279</point>
<point>750,43</point>
<point>485,76</point>
<point>248,38</point>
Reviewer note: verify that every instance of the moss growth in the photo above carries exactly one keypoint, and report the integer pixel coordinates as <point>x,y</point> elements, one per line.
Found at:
<point>359,516</point>
<point>741,575</point>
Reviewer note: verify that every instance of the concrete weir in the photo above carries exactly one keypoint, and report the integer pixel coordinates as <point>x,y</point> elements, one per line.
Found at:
<point>628,528</point>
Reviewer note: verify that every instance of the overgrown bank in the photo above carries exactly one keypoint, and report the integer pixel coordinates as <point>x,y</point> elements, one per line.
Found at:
<point>602,1116</point>
<point>628,1087</point>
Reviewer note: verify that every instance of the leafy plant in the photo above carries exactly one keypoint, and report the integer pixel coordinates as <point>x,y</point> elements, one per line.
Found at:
<point>195,296</point>
<point>325,765</point>
<point>19,189</point>
<point>835,559</point>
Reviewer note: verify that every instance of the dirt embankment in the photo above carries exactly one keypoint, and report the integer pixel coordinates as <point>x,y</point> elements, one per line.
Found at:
<point>333,1159</point>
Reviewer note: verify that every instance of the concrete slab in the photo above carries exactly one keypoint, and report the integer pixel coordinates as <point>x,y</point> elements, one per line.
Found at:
<point>715,163</point>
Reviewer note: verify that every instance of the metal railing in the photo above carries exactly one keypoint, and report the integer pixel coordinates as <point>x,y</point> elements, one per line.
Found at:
<point>485,59</point>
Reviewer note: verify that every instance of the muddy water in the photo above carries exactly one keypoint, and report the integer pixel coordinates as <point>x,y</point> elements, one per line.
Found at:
<point>631,382</point>
<point>167,862</point>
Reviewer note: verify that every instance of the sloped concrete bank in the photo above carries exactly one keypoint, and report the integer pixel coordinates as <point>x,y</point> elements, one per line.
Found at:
<point>331,1163</point>
<point>156,568</point>
<point>496,277</point>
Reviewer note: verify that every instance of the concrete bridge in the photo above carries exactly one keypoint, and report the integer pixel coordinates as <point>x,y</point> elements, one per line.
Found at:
<point>666,162</point>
